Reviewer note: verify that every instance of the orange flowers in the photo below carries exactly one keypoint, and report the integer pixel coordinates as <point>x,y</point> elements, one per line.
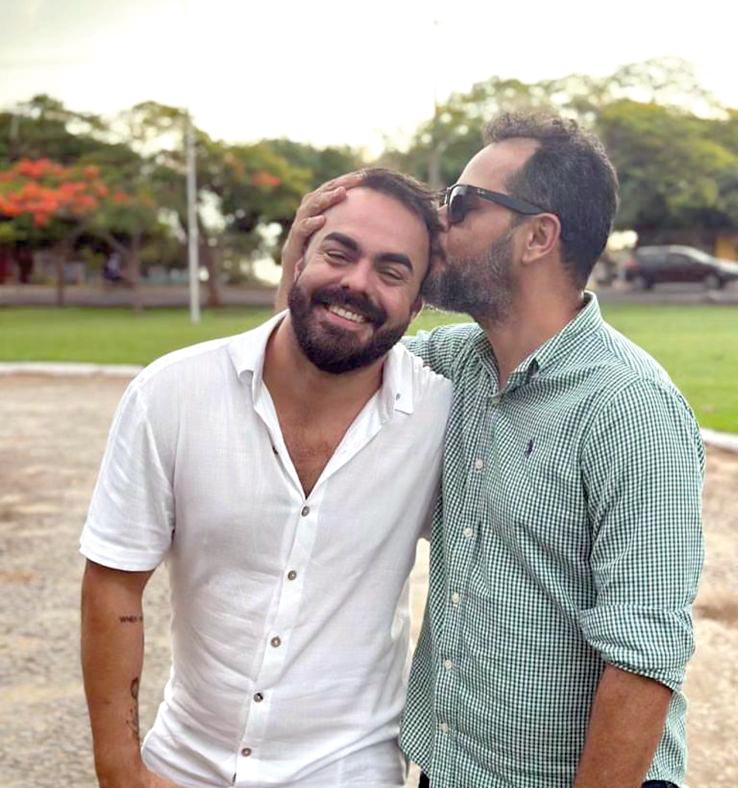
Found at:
<point>46,190</point>
<point>264,178</point>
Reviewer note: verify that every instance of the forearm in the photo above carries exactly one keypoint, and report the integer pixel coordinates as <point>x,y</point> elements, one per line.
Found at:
<point>625,726</point>
<point>283,291</point>
<point>112,661</point>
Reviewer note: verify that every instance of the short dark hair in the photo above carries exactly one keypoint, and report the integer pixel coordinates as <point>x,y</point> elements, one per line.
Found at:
<point>569,174</point>
<point>413,194</point>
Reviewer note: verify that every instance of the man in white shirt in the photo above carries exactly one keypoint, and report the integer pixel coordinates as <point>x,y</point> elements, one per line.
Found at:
<point>285,476</point>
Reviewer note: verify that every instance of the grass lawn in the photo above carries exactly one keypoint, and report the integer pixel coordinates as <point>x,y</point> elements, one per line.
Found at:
<point>698,345</point>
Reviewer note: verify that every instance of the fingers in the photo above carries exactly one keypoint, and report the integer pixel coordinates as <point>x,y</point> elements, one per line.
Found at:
<point>309,217</point>
<point>347,181</point>
<point>327,195</point>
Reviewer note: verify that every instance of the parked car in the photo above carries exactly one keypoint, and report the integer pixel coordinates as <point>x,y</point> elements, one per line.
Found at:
<point>652,265</point>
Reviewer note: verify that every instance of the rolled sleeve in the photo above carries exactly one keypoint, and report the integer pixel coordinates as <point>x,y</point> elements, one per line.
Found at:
<point>643,467</point>
<point>130,520</point>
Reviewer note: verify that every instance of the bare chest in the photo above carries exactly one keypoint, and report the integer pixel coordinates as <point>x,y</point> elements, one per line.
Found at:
<point>310,450</point>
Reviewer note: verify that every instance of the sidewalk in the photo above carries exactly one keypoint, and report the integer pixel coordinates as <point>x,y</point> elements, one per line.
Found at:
<point>719,440</point>
<point>151,296</point>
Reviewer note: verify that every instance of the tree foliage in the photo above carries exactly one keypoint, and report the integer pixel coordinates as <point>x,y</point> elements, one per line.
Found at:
<point>675,147</point>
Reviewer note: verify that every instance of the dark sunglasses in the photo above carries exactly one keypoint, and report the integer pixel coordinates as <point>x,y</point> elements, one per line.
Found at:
<point>458,199</point>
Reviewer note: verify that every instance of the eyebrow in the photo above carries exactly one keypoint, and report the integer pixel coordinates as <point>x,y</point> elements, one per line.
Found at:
<point>385,257</point>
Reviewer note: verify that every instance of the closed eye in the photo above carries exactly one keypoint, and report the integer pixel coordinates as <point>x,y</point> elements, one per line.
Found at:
<point>394,274</point>
<point>336,254</point>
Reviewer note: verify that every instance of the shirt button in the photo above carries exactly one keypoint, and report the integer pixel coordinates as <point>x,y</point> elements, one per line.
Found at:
<point>468,532</point>
<point>443,727</point>
<point>479,463</point>
<point>291,575</point>
<point>246,751</point>
<point>456,597</point>
<point>448,664</point>
<point>258,698</point>
<point>276,642</point>
<point>305,511</point>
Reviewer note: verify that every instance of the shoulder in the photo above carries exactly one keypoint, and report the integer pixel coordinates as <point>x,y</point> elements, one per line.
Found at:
<point>445,347</point>
<point>183,372</point>
<point>413,372</point>
<point>639,404</point>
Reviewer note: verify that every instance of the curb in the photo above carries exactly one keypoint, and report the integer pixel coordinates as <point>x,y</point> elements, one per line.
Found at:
<point>719,440</point>
<point>68,369</point>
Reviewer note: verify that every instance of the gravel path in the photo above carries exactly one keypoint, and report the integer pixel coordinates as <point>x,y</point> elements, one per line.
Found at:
<point>52,434</point>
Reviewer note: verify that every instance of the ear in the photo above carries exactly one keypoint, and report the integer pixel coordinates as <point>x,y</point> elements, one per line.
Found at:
<point>299,268</point>
<point>543,232</point>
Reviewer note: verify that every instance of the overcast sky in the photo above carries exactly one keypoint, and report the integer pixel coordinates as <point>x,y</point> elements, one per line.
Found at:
<point>335,72</point>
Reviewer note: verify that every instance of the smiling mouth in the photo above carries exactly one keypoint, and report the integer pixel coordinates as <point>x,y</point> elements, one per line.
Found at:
<point>346,314</point>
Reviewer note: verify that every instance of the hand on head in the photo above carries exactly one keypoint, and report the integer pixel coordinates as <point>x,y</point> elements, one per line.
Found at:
<point>310,217</point>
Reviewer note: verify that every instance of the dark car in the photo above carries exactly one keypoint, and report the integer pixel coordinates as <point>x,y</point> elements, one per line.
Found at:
<point>652,265</point>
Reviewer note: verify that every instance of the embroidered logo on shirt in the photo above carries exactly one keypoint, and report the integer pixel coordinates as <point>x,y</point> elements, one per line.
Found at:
<point>529,449</point>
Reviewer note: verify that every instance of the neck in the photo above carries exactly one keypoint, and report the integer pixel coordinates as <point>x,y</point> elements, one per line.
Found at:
<point>294,382</point>
<point>536,315</point>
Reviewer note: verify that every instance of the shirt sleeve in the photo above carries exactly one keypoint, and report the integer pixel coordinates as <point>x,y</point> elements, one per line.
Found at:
<point>643,467</point>
<point>439,348</point>
<point>130,521</point>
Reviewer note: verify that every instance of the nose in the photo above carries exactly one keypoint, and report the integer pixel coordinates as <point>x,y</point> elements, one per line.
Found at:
<point>357,277</point>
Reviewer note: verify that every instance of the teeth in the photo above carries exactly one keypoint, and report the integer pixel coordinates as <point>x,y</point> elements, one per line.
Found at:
<point>344,313</point>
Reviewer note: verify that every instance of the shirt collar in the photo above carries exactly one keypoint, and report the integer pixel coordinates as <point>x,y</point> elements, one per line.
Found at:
<point>588,319</point>
<point>247,352</point>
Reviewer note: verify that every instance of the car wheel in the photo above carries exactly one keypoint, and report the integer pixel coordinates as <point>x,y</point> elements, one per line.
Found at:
<point>640,282</point>
<point>713,282</point>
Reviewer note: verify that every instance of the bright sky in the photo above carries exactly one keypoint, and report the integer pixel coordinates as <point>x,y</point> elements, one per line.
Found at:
<point>330,71</point>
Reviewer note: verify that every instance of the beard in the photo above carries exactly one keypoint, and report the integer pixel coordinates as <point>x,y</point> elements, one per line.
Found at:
<point>331,348</point>
<point>483,287</point>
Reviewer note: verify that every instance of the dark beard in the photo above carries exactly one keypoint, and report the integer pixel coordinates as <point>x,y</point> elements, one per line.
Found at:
<point>482,287</point>
<point>330,348</point>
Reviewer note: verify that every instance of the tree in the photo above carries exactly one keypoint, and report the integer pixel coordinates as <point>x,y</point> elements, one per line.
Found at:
<point>241,188</point>
<point>43,128</point>
<point>673,144</point>
<point>45,203</point>
<point>675,175</point>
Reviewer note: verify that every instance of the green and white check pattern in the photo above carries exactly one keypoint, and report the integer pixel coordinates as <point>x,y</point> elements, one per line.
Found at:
<point>568,535</point>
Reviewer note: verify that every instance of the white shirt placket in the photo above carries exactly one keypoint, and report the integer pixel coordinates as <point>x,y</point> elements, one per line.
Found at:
<point>278,630</point>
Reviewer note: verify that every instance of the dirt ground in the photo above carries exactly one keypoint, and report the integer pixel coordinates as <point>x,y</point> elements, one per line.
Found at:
<point>52,434</point>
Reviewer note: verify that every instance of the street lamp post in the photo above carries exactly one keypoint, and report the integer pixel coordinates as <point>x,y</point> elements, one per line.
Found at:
<point>192,230</point>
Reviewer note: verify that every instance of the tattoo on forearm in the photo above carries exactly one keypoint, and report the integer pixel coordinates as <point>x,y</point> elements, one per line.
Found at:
<point>133,723</point>
<point>131,619</point>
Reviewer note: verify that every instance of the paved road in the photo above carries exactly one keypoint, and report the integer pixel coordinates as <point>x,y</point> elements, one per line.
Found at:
<point>52,433</point>
<point>176,295</point>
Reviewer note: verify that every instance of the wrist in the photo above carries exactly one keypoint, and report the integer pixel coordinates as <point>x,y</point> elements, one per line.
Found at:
<point>128,772</point>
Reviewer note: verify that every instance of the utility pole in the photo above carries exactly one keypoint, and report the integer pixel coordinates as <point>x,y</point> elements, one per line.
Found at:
<point>193,238</point>
<point>434,157</point>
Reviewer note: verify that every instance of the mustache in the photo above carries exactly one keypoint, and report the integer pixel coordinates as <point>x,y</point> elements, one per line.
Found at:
<point>339,296</point>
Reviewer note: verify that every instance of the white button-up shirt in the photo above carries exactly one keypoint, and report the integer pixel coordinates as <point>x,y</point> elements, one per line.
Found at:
<point>290,627</point>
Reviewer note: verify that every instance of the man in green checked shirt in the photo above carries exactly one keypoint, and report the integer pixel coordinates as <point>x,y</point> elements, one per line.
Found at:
<point>567,545</point>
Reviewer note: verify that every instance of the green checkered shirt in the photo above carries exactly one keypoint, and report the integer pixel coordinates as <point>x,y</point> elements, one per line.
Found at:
<point>568,535</point>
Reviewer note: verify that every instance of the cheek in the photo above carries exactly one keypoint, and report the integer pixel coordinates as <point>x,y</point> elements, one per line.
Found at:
<point>399,306</point>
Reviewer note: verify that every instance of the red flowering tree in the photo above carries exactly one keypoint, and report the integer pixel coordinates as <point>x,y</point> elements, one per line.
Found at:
<point>42,191</point>
<point>49,204</point>
<point>46,203</point>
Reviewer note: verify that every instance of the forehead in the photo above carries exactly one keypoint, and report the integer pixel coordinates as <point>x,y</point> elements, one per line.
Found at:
<point>379,224</point>
<point>493,165</point>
